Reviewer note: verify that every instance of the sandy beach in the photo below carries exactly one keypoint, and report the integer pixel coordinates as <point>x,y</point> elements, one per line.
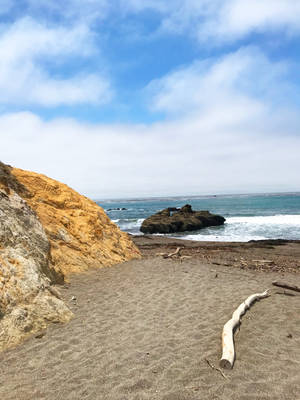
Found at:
<point>144,329</point>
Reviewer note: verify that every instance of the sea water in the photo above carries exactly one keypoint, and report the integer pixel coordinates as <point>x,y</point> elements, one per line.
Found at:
<point>248,217</point>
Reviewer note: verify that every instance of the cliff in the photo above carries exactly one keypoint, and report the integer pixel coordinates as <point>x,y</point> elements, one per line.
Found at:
<point>28,302</point>
<point>80,233</point>
<point>47,231</point>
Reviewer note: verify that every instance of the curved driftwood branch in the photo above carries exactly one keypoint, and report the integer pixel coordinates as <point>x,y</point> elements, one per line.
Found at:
<point>286,286</point>
<point>228,355</point>
<point>175,253</point>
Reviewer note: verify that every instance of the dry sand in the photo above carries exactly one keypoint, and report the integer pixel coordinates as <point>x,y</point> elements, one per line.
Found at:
<point>143,329</point>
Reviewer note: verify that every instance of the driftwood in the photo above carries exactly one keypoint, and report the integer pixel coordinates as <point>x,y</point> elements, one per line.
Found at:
<point>287,293</point>
<point>228,355</point>
<point>216,369</point>
<point>175,253</point>
<point>286,286</point>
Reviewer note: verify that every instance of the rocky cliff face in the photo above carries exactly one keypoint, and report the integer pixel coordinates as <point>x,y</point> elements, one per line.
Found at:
<point>27,300</point>
<point>47,231</point>
<point>80,233</point>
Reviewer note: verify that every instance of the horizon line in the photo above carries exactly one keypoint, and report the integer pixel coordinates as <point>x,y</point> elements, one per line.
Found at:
<point>195,196</point>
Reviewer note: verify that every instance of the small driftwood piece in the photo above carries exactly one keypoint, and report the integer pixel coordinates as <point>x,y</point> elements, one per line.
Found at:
<point>228,355</point>
<point>166,255</point>
<point>215,368</point>
<point>286,286</point>
<point>170,255</point>
<point>287,293</point>
<point>175,253</point>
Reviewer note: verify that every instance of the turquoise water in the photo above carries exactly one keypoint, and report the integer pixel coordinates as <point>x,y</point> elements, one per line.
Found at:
<point>248,217</point>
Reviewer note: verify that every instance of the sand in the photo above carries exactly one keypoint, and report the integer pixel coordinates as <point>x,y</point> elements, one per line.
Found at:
<point>143,329</point>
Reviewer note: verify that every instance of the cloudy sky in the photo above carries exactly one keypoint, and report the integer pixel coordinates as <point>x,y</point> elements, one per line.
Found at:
<point>128,98</point>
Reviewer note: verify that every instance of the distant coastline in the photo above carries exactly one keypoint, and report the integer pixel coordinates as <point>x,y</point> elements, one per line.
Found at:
<point>200,196</point>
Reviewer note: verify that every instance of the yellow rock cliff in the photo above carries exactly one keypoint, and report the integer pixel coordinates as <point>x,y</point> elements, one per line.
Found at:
<point>80,233</point>
<point>47,231</point>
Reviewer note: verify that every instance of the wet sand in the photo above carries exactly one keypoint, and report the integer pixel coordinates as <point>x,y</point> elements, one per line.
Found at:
<point>143,329</point>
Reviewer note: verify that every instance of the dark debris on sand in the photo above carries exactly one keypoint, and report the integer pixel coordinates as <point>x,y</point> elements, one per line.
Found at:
<point>259,255</point>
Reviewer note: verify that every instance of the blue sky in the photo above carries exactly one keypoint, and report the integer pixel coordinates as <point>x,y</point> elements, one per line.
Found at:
<point>147,98</point>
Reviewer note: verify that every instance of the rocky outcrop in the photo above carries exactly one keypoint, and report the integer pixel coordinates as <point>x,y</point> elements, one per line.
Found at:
<point>171,220</point>
<point>47,231</point>
<point>117,209</point>
<point>80,233</point>
<point>28,302</point>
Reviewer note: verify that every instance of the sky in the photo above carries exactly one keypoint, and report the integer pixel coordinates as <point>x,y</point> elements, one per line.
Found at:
<point>145,98</point>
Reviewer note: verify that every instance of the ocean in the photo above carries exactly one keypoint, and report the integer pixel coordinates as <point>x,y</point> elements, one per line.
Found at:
<point>248,217</point>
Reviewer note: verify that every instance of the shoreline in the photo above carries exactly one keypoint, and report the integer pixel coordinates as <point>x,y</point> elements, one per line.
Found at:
<point>284,255</point>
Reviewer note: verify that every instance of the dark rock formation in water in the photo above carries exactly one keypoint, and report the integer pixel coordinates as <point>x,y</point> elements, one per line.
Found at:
<point>117,209</point>
<point>171,220</point>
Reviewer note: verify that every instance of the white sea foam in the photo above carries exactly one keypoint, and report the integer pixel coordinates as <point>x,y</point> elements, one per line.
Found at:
<point>223,238</point>
<point>131,224</point>
<point>243,229</point>
<point>266,220</point>
<point>235,229</point>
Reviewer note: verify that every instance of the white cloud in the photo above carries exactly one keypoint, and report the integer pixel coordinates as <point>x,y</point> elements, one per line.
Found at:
<point>237,18</point>
<point>232,141</point>
<point>207,20</point>
<point>222,147</point>
<point>223,20</point>
<point>223,83</point>
<point>25,47</point>
<point>230,126</point>
<point>208,154</point>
